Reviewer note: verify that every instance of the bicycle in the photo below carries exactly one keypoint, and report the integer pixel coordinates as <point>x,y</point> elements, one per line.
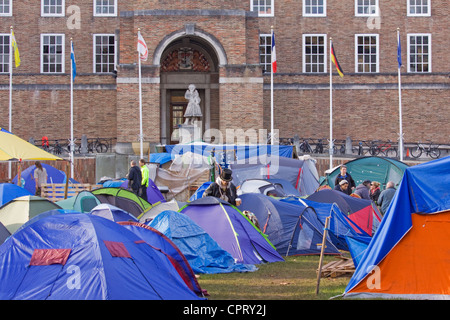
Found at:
<point>432,150</point>
<point>98,146</point>
<point>385,148</point>
<point>319,147</point>
<point>305,147</point>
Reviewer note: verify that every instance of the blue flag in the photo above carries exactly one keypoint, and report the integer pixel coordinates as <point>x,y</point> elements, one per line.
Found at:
<point>74,65</point>
<point>399,52</point>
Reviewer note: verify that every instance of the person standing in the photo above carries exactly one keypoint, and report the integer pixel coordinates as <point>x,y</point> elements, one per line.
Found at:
<point>145,177</point>
<point>40,177</point>
<point>385,198</point>
<point>134,178</point>
<point>362,190</point>
<point>342,186</point>
<point>375,191</point>
<point>344,175</point>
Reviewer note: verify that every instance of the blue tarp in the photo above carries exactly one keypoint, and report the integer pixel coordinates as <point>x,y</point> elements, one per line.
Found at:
<point>425,189</point>
<point>161,158</point>
<point>202,252</point>
<point>85,257</point>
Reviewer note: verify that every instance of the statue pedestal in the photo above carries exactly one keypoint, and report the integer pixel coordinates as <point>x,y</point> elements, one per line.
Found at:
<point>190,132</point>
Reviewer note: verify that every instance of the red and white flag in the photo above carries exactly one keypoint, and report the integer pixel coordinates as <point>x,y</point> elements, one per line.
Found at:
<point>274,54</point>
<point>142,47</point>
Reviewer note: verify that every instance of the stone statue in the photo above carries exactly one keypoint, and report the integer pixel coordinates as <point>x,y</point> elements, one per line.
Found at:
<point>193,110</point>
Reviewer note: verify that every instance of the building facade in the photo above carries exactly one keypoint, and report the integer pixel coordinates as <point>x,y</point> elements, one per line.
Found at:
<point>224,48</point>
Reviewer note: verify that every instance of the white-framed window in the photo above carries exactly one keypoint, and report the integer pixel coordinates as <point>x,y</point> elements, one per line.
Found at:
<point>52,8</point>
<point>104,53</point>
<point>4,52</point>
<point>419,52</point>
<point>105,8</point>
<point>265,52</point>
<point>6,8</point>
<point>52,53</point>
<point>366,8</point>
<point>314,53</point>
<point>367,55</point>
<point>263,7</point>
<point>420,8</point>
<point>314,8</point>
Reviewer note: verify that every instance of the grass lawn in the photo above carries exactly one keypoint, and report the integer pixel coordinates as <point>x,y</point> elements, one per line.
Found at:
<point>293,279</point>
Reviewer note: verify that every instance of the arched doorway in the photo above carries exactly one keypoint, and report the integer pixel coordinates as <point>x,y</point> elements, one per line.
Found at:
<point>187,58</point>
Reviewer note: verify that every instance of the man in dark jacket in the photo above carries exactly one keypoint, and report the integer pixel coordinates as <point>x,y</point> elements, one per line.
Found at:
<point>134,178</point>
<point>385,198</point>
<point>223,188</point>
<point>344,175</point>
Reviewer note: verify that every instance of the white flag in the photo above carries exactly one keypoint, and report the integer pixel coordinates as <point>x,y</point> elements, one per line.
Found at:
<point>142,48</point>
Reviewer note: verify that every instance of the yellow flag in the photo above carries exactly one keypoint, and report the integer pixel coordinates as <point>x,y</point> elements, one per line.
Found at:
<point>16,49</point>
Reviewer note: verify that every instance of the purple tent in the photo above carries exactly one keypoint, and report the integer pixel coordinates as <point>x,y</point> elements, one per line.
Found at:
<point>153,194</point>
<point>231,229</point>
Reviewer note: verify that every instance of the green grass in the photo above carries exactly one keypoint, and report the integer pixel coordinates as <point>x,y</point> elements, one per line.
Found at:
<point>293,279</point>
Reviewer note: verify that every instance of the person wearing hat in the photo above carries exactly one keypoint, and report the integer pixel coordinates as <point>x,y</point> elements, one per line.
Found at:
<point>344,175</point>
<point>342,186</point>
<point>223,188</point>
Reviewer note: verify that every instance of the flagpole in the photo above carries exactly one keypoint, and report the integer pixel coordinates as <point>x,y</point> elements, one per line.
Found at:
<point>271,95</point>
<point>331,107</point>
<point>10,92</point>
<point>400,145</point>
<point>140,105</point>
<point>72,146</point>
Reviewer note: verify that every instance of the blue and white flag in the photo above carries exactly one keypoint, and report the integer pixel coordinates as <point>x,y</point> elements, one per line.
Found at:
<point>74,64</point>
<point>399,52</point>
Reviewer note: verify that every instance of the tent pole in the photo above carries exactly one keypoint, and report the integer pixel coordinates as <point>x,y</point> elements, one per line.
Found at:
<point>324,239</point>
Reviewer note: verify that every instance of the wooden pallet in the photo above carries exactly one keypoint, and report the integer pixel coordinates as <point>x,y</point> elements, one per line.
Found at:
<point>57,191</point>
<point>342,267</point>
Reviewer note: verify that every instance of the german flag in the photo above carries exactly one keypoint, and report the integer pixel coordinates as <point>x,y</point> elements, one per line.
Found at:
<point>336,62</point>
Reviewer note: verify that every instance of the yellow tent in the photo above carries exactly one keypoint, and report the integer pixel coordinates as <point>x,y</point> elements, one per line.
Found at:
<point>14,148</point>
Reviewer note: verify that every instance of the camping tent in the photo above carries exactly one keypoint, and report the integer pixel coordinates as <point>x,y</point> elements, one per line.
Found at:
<point>292,228</point>
<point>370,168</point>
<point>53,176</point>
<point>124,199</point>
<point>154,196</point>
<point>229,227</point>
<point>83,202</point>
<point>157,209</point>
<point>301,173</point>
<point>158,240</point>
<point>19,210</point>
<point>409,255</point>
<point>364,213</point>
<point>9,191</point>
<point>85,257</point>
<point>201,251</point>
<point>108,211</point>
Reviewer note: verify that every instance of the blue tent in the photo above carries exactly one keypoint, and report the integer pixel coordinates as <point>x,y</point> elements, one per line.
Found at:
<point>85,257</point>
<point>202,252</point>
<point>53,176</point>
<point>293,229</point>
<point>9,191</point>
<point>412,237</point>
<point>199,192</point>
<point>232,230</point>
<point>158,240</point>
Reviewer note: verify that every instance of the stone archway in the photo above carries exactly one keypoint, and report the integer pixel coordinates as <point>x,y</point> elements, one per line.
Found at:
<point>187,57</point>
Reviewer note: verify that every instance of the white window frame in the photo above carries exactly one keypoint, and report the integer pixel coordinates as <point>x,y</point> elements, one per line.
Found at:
<point>409,51</point>
<point>409,14</point>
<point>105,14</point>
<point>62,14</point>
<point>9,14</point>
<point>272,11</point>
<point>374,14</point>
<point>267,66</point>
<point>4,55</point>
<point>94,37</point>
<point>324,14</point>
<point>62,53</point>
<point>377,63</point>
<point>325,61</point>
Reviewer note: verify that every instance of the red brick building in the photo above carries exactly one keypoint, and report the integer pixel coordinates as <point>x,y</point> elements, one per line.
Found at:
<point>223,47</point>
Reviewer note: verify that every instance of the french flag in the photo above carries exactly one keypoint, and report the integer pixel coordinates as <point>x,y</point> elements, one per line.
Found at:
<point>274,54</point>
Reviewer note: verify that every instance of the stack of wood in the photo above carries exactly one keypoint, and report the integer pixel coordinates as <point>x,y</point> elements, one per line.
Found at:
<point>342,267</point>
